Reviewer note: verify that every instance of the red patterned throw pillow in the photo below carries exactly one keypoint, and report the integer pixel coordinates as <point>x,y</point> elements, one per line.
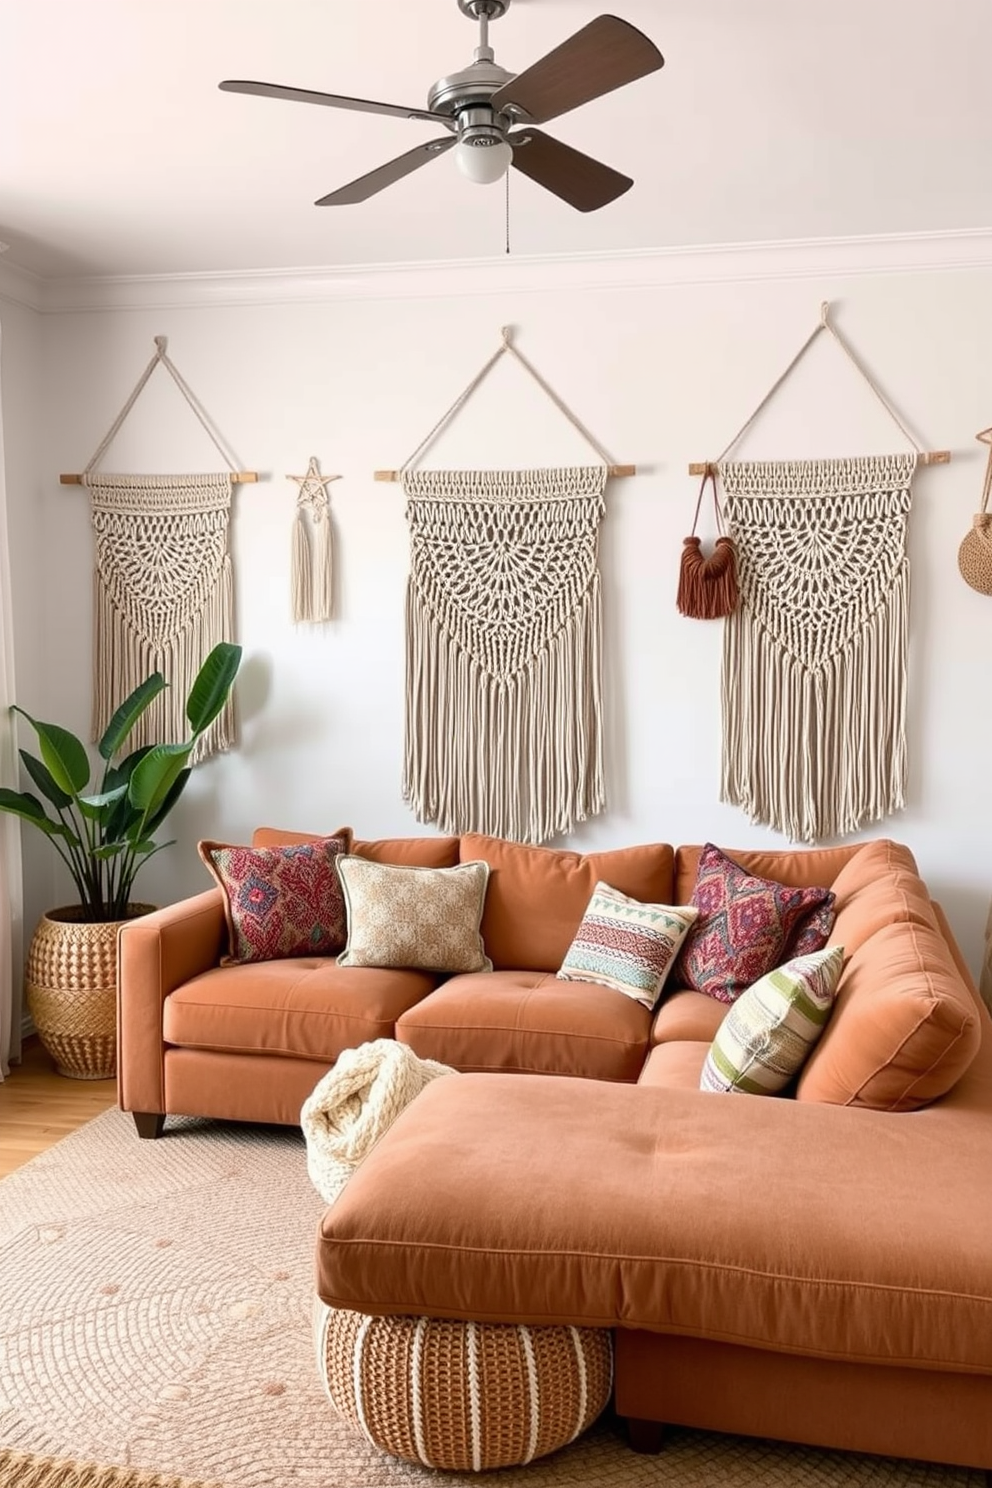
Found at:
<point>279,901</point>
<point>746,927</point>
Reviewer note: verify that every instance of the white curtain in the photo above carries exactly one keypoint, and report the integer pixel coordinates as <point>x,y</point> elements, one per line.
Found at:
<point>11,905</point>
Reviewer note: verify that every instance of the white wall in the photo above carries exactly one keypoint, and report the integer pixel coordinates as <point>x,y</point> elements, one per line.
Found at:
<point>32,603</point>
<point>663,373</point>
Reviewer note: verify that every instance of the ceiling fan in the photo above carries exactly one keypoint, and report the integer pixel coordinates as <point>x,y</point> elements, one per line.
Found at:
<point>491,114</point>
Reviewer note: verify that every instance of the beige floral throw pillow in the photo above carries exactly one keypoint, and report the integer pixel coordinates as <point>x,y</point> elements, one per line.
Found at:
<point>427,918</point>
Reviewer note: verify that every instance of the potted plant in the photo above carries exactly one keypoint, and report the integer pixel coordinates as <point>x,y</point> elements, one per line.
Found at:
<point>104,837</point>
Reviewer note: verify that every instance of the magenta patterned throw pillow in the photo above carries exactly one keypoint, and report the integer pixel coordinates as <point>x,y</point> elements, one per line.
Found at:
<point>280,901</point>
<point>746,927</point>
<point>812,931</point>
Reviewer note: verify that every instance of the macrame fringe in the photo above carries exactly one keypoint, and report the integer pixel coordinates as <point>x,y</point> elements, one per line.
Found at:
<point>312,568</point>
<point>520,757</point>
<point>817,754</point>
<point>707,586</point>
<point>301,577</point>
<point>123,659</point>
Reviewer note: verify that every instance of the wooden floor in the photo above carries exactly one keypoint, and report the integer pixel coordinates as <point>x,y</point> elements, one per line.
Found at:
<point>39,1107</point>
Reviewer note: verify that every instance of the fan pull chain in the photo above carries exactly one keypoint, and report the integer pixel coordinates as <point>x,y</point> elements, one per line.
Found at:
<point>506,178</point>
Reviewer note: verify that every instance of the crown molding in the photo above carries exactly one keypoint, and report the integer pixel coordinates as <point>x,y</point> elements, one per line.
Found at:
<point>20,286</point>
<point>809,258</point>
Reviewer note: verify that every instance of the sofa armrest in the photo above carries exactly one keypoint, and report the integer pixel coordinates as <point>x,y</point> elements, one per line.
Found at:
<point>156,954</point>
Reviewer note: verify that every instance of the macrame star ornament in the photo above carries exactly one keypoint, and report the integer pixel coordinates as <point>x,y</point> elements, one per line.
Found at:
<point>312,555</point>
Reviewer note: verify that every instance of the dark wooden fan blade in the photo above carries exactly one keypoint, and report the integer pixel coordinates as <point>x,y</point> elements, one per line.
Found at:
<point>604,55</point>
<point>329,100</point>
<point>385,175</point>
<point>578,179</point>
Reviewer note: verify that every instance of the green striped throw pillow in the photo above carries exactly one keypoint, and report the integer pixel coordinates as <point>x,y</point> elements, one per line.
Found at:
<point>767,1035</point>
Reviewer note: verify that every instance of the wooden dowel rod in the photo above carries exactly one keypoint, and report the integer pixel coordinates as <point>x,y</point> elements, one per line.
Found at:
<point>615,472</point>
<point>928,457</point>
<point>239,477</point>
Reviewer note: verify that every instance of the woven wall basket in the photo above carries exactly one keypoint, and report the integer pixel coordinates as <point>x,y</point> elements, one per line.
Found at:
<point>463,1396</point>
<point>71,988</point>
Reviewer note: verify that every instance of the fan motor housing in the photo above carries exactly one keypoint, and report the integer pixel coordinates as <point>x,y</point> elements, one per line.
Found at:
<point>475,84</point>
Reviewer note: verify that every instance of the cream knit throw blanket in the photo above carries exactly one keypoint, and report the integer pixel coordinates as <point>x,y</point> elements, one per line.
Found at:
<point>815,656</point>
<point>355,1104</point>
<point>504,714</point>
<point>163,597</point>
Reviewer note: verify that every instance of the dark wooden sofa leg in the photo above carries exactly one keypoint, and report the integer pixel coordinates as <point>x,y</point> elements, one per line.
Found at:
<point>645,1436</point>
<point>149,1123</point>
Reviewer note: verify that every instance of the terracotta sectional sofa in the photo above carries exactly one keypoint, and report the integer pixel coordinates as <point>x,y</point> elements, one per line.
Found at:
<point>814,1267</point>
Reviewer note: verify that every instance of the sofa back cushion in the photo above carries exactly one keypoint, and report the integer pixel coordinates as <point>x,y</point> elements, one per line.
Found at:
<point>879,886</point>
<point>538,895</point>
<point>409,852</point>
<point>800,869</point>
<point>281,837</point>
<point>905,1027</point>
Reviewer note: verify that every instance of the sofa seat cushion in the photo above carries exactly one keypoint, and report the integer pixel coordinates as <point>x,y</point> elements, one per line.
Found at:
<point>678,1065</point>
<point>904,1027</point>
<point>528,1022</point>
<point>687,1014</point>
<point>308,1007</point>
<point>538,895</point>
<point>811,1229</point>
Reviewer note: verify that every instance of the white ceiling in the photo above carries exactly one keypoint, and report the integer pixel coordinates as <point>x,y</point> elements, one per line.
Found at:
<point>771,120</point>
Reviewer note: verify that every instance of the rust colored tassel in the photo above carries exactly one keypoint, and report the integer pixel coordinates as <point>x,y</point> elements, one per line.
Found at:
<point>707,586</point>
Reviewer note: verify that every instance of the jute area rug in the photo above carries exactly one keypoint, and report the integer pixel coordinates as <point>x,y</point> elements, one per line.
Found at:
<point>155,1333</point>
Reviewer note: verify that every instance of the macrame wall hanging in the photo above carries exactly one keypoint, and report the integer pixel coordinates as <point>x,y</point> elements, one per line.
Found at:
<point>312,557</point>
<point>163,590</point>
<point>815,654</point>
<point>504,713</point>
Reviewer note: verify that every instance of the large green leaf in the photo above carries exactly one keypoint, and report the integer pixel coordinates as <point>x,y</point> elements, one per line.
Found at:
<point>20,803</point>
<point>213,683</point>
<point>63,753</point>
<point>155,775</point>
<point>97,807</point>
<point>145,848</point>
<point>128,714</point>
<point>175,791</point>
<point>121,773</point>
<point>42,777</point>
<point>122,817</point>
<point>109,850</point>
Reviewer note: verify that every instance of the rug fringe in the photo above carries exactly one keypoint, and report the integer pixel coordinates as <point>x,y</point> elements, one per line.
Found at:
<point>25,1470</point>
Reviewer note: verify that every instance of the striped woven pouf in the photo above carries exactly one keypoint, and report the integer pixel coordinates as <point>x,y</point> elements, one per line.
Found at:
<point>463,1396</point>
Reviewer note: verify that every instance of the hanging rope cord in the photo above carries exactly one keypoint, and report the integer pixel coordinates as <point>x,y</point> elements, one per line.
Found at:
<point>187,392</point>
<point>824,325</point>
<point>463,397</point>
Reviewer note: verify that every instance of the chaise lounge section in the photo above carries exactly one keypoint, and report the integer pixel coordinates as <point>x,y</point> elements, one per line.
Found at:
<point>813,1267</point>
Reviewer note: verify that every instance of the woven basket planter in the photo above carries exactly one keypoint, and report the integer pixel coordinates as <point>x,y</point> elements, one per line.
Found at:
<point>463,1396</point>
<point>71,988</point>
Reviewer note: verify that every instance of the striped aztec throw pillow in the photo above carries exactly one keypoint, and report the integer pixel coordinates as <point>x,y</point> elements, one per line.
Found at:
<point>624,944</point>
<point>768,1034</point>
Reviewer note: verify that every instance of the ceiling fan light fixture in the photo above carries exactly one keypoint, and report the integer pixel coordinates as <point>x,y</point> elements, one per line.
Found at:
<point>484,160</point>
